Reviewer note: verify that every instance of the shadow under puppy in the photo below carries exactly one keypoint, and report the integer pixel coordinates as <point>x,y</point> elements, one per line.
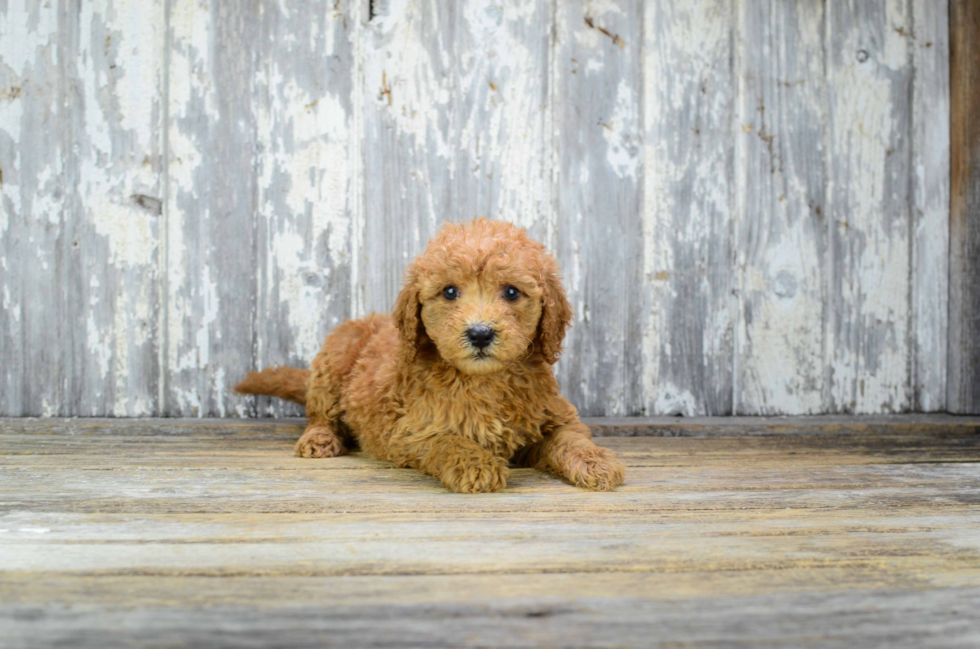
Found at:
<point>457,381</point>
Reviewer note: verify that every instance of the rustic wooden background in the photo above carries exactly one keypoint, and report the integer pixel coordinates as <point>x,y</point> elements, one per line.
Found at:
<point>749,198</point>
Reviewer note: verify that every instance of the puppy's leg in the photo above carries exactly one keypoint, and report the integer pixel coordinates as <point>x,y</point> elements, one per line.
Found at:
<point>569,452</point>
<point>461,464</point>
<point>322,437</point>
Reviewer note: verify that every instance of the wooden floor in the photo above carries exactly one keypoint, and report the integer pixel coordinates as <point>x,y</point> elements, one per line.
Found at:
<point>824,532</point>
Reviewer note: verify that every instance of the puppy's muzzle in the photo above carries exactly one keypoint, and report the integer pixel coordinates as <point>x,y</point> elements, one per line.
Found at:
<point>480,336</point>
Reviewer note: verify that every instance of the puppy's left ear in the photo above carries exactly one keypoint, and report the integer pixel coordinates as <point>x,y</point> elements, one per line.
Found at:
<point>556,314</point>
<point>407,315</point>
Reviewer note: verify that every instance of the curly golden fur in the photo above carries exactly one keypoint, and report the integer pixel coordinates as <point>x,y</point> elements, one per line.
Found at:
<point>416,389</point>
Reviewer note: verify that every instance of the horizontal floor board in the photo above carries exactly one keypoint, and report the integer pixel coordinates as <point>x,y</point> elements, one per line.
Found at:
<point>895,618</point>
<point>601,426</point>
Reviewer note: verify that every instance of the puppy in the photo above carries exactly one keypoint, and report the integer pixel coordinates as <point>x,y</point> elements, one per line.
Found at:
<point>457,381</point>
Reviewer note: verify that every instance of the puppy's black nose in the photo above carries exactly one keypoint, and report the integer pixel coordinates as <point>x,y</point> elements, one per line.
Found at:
<point>480,336</point>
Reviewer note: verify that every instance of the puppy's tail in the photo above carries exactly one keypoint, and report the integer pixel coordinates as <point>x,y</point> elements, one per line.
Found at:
<point>284,382</point>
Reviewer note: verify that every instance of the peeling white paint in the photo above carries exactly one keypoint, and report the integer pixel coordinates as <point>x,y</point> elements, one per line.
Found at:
<point>99,351</point>
<point>305,190</point>
<point>218,387</point>
<point>500,115</point>
<point>305,303</point>
<point>671,400</point>
<point>191,300</point>
<point>868,351</point>
<point>128,229</point>
<point>687,103</point>
<point>469,103</point>
<point>136,48</point>
<point>930,204</point>
<point>418,93</point>
<point>780,362</point>
<point>19,18</point>
<point>198,356</point>
<point>623,143</point>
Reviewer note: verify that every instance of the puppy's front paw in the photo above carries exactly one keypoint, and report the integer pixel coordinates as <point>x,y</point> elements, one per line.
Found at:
<point>472,475</point>
<point>594,468</point>
<point>320,441</point>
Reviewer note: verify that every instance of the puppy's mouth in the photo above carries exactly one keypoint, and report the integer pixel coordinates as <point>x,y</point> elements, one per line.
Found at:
<point>479,361</point>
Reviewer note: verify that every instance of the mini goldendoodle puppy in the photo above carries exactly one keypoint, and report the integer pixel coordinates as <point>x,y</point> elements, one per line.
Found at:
<point>457,382</point>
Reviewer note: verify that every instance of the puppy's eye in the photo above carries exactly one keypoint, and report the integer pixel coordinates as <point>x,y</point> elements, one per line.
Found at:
<point>450,292</point>
<point>511,294</point>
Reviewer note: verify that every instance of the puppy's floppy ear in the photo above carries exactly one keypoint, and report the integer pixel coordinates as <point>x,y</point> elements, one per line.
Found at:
<point>556,314</point>
<point>407,315</point>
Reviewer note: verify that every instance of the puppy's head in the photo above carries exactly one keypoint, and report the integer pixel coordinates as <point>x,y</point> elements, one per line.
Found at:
<point>482,295</point>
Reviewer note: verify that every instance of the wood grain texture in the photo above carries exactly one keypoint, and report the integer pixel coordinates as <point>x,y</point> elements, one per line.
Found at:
<point>599,148</point>
<point>869,155</point>
<point>409,121</point>
<point>503,141</point>
<point>34,145</point>
<point>211,246</point>
<point>689,314</point>
<point>885,617</point>
<point>204,533</point>
<point>963,388</point>
<point>930,204</point>
<point>455,117</point>
<point>114,75</point>
<point>747,199</point>
<point>781,198</point>
<point>305,127</point>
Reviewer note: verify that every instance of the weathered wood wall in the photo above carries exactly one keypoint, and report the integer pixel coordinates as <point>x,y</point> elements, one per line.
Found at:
<point>964,290</point>
<point>749,199</point>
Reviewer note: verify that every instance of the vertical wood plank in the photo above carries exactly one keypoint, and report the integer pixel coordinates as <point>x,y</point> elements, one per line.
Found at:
<point>456,125</point>
<point>211,244</point>
<point>963,389</point>
<point>598,86</point>
<point>781,230</point>
<point>34,143</point>
<point>303,100</point>
<point>503,140</point>
<point>114,73</point>
<point>689,97</point>
<point>409,121</point>
<point>869,77</point>
<point>930,203</point>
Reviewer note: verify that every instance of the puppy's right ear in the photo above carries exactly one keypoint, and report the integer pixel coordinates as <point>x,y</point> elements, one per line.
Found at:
<point>556,315</point>
<point>408,316</point>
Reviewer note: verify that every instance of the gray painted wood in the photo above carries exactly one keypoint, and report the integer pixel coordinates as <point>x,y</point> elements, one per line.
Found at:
<point>32,147</point>
<point>868,213</point>
<point>114,71</point>
<point>963,388</point>
<point>688,190</point>
<point>211,245</point>
<point>408,94</point>
<point>503,130</point>
<point>781,241</point>
<point>597,116</point>
<point>34,144</point>
<point>930,204</point>
<point>305,179</point>
<point>748,200</point>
